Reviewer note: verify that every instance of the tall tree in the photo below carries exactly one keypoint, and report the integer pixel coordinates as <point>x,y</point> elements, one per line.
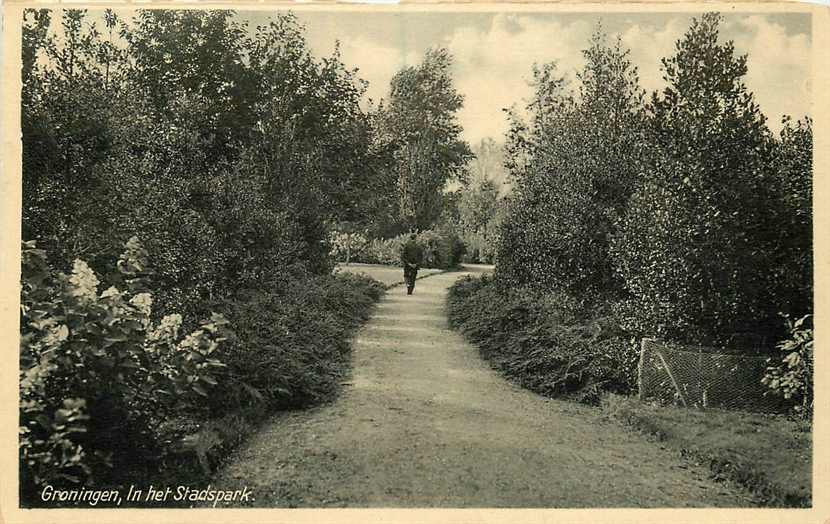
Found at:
<point>574,163</point>
<point>479,209</point>
<point>695,245</point>
<point>421,123</point>
<point>488,163</point>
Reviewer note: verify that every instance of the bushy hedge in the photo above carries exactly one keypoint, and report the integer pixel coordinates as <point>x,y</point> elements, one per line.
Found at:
<point>549,343</point>
<point>98,375</point>
<point>291,341</point>
<point>441,246</point>
<point>108,389</point>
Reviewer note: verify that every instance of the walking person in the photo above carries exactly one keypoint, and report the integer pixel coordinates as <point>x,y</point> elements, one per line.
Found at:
<point>411,257</point>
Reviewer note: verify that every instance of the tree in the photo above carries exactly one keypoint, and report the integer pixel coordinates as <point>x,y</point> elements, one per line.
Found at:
<point>421,124</point>
<point>696,244</point>
<point>479,215</point>
<point>574,165</point>
<point>488,163</point>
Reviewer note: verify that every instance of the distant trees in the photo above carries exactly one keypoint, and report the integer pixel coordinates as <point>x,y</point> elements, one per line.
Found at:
<point>422,132</point>
<point>488,163</point>
<point>480,210</point>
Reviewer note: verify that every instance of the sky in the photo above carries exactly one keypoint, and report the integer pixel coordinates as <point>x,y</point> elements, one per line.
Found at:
<point>494,52</point>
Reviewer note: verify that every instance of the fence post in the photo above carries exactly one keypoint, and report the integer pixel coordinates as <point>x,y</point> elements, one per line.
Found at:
<point>701,388</point>
<point>671,376</point>
<point>641,393</point>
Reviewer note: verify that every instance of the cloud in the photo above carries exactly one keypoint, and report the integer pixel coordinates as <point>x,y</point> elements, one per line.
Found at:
<point>779,66</point>
<point>494,65</point>
<point>648,45</point>
<point>494,59</point>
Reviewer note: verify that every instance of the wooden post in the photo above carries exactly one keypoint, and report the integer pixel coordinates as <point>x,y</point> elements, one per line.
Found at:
<point>640,388</point>
<point>671,376</point>
<point>700,385</point>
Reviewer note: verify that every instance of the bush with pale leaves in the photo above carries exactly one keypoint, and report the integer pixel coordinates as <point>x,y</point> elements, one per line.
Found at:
<point>97,372</point>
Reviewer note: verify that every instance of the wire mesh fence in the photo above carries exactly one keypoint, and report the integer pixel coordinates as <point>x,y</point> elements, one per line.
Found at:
<point>691,377</point>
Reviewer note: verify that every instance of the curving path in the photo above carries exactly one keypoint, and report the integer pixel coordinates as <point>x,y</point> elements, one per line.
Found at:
<point>424,422</point>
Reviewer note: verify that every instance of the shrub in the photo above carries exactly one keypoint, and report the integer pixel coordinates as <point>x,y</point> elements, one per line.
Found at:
<point>291,339</point>
<point>442,249</point>
<point>97,375</point>
<point>346,247</point>
<point>450,248</point>
<point>792,376</point>
<point>382,251</point>
<point>549,343</point>
<point>694,271</point>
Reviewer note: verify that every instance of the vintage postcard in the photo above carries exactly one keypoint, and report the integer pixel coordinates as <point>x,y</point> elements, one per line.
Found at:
<point>485,262</point>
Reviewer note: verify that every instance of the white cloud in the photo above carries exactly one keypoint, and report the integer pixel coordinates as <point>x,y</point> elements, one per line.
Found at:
<point>648,46</point>
<point>779,67</point>
<point>493,64</point>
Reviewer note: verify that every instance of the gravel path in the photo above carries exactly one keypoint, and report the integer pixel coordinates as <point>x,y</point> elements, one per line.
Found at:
<point>424,422</point>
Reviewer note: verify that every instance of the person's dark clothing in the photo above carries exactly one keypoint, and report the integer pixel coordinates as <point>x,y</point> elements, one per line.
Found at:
<point>409,275</point>
<point>411,256</point>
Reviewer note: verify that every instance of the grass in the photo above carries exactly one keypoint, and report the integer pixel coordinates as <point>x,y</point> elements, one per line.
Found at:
<point>769,455</point>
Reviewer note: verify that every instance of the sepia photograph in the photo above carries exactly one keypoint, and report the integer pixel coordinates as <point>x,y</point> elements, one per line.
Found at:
<point>368,257</point>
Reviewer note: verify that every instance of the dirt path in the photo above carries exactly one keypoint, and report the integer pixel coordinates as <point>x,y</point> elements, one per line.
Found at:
<point>425,422</point>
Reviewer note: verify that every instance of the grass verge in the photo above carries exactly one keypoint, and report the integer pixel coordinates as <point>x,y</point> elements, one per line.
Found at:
<point>769,455</point>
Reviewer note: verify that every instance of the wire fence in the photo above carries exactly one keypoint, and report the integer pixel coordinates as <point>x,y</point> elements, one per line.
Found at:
<point>691,377</point>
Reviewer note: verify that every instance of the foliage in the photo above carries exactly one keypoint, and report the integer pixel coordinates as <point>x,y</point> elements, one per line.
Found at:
<point>442,249</point>
<point>421,129</point>
<point>346,246</point>
<point>449,249</point>
<point>97,373</point>
<point>292,339</point>
<point>792,376</point>
<point>480,216</point>
<point>696,246</point>
<point>549,343</point>
<point>573,165</point>
<point>792,167</point>
<point>685,212</point>
<point>488,164</point>
<point>226,150</point>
